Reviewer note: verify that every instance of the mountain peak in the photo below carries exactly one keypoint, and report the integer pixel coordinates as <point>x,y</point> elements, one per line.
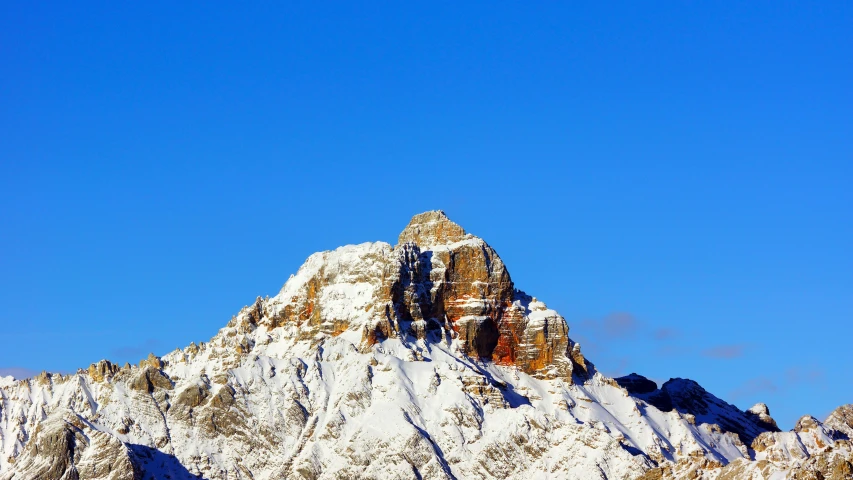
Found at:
<point>431,228</point>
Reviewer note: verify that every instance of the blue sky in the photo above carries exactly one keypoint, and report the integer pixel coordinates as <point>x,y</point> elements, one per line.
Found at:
<point>675,180</point>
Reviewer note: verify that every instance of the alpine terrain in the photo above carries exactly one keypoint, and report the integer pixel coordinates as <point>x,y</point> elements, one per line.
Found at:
<point>416,361</point>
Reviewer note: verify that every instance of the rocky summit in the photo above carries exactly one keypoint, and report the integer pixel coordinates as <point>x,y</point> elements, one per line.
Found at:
<point>421,360</point>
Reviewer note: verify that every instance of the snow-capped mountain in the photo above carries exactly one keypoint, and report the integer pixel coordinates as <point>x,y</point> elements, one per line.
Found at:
<point>415,361</point>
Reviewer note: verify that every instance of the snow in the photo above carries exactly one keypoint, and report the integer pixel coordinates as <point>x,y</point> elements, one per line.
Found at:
<point>330,404</point>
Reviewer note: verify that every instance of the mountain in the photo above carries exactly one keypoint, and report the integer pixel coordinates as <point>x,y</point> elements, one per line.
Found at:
<point>415,361</point>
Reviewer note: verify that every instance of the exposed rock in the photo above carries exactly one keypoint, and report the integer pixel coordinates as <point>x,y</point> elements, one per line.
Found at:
<point>761,415</point>
<point>841,470</point>
<point>103,370</point>
<point>806,423</point>
<point>149,379</point>
<point>636,383</point>
<point>763,441</point>
<point>43,378</point>
<point>688,397</point>
<point>759,409</point>
<point>810,451</point>
<point>61,450</point>
<point>192,396</point>
<point>841,420</point>
<point>152,361</point>
<point>431,228</point>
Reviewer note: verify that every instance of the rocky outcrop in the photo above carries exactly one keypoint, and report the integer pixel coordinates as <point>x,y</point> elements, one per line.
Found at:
<point>689,398</point>
<point>841,421</point>
<point>149,379</point>
<point>431,228</point>
<point>812,450</point>
<point>152,361</point>
<point>760,414</point>
<point>103,370</point>
<point>636,384</point>
<point>68,449</point>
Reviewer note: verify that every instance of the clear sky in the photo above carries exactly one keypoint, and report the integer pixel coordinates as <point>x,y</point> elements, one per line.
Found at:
<point>675,180</point>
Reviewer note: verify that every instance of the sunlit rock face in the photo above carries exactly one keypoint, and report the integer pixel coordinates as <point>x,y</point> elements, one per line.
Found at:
<point>431,228</point>
<point>418,360</point>
<point>437,282</point>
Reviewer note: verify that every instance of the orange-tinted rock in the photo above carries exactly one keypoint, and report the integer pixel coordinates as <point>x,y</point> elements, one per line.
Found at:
<point>448,278</point>
<point>437,284</point>
<point>153,361</point>
<point>103,370</point>
<point>43,378</point>
<point>431,228</point>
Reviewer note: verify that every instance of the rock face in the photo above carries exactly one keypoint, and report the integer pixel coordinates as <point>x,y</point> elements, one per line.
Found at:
<point>438,282</point>
<point>761,415</point>
<point>841,420</point>
<point>812,450</point>
<point>688,397</point>
<point>636,384</point>
<point>420,360</point>
<point>431,228</point>
<point>67,448</point>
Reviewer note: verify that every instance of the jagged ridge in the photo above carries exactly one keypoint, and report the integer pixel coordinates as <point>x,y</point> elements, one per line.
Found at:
<point>420,360</point>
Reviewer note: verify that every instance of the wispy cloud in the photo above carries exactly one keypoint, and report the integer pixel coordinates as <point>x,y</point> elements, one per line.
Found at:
<point>132,352</point>
<point>620,325</point>
<point>620,369</point>
<point>724,351</point>
<point>614,325</point>
<point>798,375</point>
<point>754,386</point>
<point>673,350</point>
<point>779,382</point>
<point>665,334</point>
<point>625,325</point>
<point>595,335</point>
<point>17,372</point>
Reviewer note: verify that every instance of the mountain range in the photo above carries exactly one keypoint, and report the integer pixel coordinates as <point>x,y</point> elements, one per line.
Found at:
<point>420,360</point>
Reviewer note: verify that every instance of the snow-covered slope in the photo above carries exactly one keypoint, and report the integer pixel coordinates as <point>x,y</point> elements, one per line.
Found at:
<point>420,361</point>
